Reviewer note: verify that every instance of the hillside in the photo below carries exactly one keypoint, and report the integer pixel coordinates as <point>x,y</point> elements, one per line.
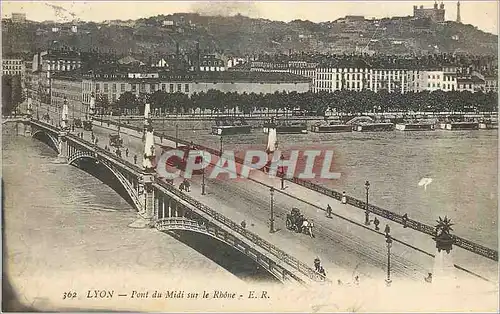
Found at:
<point>240,35</point>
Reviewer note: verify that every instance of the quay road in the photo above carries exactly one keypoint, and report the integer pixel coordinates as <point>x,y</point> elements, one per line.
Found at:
<point>345,249</point>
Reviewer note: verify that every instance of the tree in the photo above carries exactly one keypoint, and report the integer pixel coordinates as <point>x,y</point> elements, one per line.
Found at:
<point>127,100</point>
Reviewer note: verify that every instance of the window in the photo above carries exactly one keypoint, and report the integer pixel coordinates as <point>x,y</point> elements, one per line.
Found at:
<point>153,87</point>
<point>163,87</point>
<point>114,97</point>
<point>114,88</point>
<point>171,88</point>
<point>122,88</point>
<point>134,88</point>
<point>428,84</point>
<point>179,87</point>
<point>105,87</point>
<point>143,87</point>
<point>98,87</point>
<point>186,88</point>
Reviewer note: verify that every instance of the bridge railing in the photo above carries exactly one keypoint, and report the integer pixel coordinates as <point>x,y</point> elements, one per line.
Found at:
<point>410,223</point>
<point>281,255</point>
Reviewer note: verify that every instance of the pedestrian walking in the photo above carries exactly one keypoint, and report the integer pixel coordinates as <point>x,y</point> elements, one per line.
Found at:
<point>126,152</point>
<point>405,220</point>
<point>322,271</point>
<point>344,198</point>
<point>376,222</point>
<point>135,159</point>
<point>105,147</point>
<point>317,264</point>
<point>328,211</point>
<point>428,278</point>
<point>311,225</point>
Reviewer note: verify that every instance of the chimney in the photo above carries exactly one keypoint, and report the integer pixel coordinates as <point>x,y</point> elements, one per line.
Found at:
<point>459,19</point>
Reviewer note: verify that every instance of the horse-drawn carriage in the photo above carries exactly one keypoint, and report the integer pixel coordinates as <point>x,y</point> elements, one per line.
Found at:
<point>87,125</point>
<point>294,220</point>
<point>297,222</point>
<point>115,140</point>
<point>77,122</point>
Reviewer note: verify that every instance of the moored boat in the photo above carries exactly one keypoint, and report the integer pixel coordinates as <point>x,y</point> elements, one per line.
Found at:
<point>231,127</point>
<point>374,127</point>
<point>331,128</point>
<point>415,126</point>
<point>286,128</point>
<point>453,126</point>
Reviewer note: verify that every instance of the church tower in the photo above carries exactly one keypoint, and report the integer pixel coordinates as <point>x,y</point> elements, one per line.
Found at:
<point>459,20</point>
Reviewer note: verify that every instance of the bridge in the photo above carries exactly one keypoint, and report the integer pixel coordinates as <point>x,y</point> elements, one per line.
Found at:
<point>340,247</point>
<point>163,206</point>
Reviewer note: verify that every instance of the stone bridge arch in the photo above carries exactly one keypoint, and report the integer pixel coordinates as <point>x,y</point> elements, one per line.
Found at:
<point>126,184</point>
<point>53,140</point>
<point>184,224</point>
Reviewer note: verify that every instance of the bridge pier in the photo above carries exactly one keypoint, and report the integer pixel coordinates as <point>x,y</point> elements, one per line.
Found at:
<point>147,213</point>
<point>27,128</point>
<point>62,148</point>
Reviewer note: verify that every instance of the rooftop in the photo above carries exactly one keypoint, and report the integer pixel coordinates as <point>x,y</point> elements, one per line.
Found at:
<point>224,76</point>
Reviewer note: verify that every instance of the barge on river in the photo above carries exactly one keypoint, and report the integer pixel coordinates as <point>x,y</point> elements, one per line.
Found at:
<point>415,127</point>
<point>374,127</point>
<point>331,128</point>
<point>228,126</point>
<point>456,126</point>
<point>286,128</point>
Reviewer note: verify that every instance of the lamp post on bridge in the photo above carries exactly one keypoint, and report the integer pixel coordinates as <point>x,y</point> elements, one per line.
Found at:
<point>367,212</point>
<point>388,241</point>
<point>282,172</point>
<point>271,220</point>
<point>203,182</point>
<point>221,145</point>
<point>176,135</point>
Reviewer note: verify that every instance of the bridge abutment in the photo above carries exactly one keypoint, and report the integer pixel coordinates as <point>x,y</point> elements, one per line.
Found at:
<point>62,148</point>
<point>147,213</point>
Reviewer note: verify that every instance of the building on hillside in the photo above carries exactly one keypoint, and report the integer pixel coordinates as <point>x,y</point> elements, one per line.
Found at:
<point>12,65</point>
<point>491,83</point>
<point>436,14</point>
<point>68,86</point>
<point>18,17</point>
<point>48,62</point>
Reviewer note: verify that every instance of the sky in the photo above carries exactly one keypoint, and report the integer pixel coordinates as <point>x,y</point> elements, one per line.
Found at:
<point>483,14</point>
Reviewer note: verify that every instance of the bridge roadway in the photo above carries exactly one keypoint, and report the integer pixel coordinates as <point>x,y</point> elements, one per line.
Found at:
<point>344,248</point>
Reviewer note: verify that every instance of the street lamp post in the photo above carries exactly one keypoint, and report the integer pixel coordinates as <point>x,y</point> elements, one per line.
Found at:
<point>271,220</point>
<point>221,145</point>
<point>367,212</point>
<point>203,182</point>
<point>388,241</point>
<point>282,172</point>
<point>176,135</point>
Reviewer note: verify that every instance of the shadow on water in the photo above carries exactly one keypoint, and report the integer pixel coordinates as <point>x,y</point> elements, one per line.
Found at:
<point>225,256</point>
<point>43,137</point>
<point>103,174</point>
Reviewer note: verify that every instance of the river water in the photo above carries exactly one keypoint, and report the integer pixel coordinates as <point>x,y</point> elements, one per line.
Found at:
<point>462,164</point>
